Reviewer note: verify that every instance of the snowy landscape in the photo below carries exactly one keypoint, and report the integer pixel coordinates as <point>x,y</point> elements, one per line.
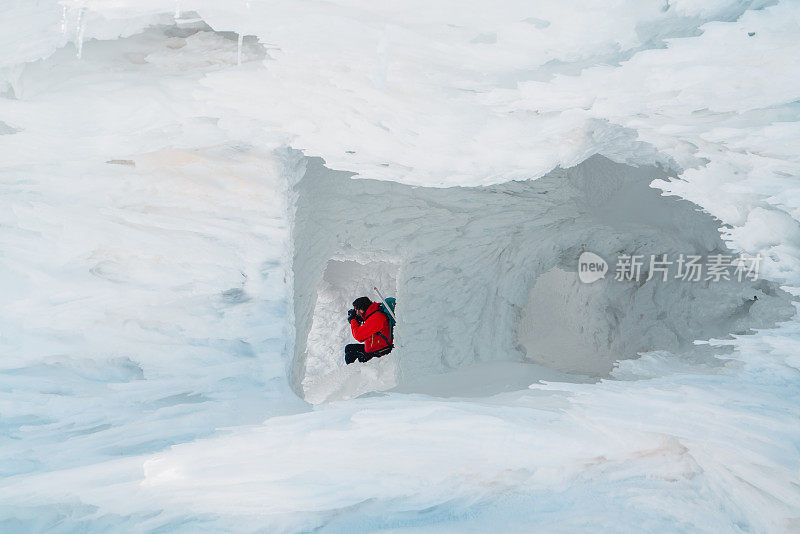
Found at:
<point>588,213</point>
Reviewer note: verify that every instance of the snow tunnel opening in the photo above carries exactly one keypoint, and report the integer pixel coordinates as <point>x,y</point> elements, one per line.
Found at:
<point>486,278</point>
<point>343,281</point>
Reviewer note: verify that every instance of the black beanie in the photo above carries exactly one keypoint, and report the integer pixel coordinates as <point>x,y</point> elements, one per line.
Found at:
<point>361,303</point>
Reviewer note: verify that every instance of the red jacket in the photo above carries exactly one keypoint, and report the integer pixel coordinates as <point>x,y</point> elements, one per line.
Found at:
<point>374,321</point>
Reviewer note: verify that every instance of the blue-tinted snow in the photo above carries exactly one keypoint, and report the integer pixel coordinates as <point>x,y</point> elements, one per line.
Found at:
<point>146,320</point>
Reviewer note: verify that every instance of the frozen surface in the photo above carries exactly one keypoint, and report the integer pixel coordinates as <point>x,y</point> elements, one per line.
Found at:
<point>159,278</point>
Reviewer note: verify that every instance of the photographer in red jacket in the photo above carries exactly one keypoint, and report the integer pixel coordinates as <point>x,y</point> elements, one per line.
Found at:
<point>371,327</point>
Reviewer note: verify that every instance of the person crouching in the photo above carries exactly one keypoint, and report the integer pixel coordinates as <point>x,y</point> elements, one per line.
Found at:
<point>371,327</point>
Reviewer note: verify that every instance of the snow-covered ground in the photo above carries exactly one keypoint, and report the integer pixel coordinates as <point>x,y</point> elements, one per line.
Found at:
<point>176,263</point>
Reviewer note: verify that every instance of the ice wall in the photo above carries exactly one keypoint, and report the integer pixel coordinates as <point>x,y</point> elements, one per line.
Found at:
<point>145,256</point>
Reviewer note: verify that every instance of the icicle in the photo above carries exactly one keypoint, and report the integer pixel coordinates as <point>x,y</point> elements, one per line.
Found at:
<point>239,49</point>
<point>81,25</point>
<point>63,20</point>
<point>177,9</point>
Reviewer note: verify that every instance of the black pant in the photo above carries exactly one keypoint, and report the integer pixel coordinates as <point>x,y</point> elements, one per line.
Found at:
<point>355,351</point>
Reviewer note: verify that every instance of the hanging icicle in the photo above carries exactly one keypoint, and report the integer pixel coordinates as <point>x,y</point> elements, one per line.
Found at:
<point>63,20</point>
<point>79,28</point>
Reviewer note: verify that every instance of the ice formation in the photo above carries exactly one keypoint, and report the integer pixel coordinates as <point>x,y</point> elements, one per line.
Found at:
<point>183,231</point>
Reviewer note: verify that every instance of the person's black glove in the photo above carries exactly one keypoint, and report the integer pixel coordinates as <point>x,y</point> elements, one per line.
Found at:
<point>351,314</point>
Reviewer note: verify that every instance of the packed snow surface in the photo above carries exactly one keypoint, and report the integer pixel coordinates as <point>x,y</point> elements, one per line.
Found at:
<point>176,262</point>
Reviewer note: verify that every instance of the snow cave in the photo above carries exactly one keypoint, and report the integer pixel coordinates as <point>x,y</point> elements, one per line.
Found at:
<point>452,258</point>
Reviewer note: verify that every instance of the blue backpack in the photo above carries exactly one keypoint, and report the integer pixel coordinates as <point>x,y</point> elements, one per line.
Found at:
<point>392,303</point>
